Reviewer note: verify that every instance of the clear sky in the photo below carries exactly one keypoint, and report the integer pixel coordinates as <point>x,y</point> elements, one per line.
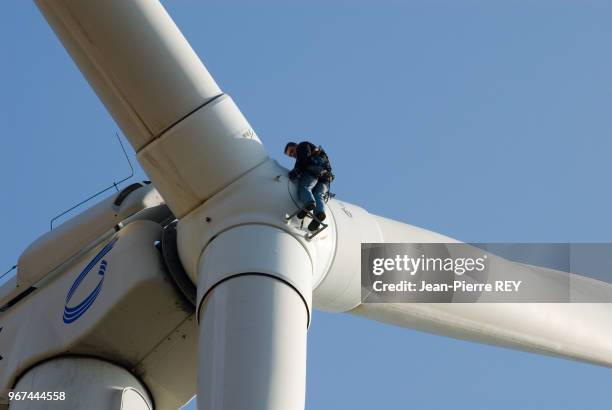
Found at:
<point>485,121</point>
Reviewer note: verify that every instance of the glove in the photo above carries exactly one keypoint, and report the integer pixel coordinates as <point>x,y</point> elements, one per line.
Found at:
<point>293,174</point>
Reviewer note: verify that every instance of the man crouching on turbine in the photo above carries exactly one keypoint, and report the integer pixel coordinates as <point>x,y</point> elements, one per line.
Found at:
<point>313,169</point>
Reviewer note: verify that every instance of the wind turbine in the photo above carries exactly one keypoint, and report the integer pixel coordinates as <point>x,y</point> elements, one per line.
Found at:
<point>107,328</point>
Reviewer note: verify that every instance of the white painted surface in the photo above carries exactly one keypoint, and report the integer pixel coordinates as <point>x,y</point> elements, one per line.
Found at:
<point>256,248</point>
<point>138,319</point>
<point>252,346</point>
<point>136,60</point>
<point>558,329</point>
<point>202,155</point>
<point>87,383</point>
<point>75,235</point>
<point>190,143</point>
<point>263,196</point>
<point>255,281</point>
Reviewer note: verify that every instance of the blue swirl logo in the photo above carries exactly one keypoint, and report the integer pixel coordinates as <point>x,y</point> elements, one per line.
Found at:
<point>73,313</point>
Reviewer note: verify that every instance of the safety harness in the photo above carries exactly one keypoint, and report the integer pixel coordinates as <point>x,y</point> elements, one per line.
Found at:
<point>319,165</point>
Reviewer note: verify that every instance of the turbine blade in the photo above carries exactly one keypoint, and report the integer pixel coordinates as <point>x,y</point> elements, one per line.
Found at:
<point>191,139</point>
<point>135,59</point>
<point>580,331</point>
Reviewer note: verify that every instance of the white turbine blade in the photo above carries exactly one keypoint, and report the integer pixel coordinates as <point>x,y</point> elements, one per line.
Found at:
<point>191,139</point>
<point>581,331</point>
<point>135,58</point>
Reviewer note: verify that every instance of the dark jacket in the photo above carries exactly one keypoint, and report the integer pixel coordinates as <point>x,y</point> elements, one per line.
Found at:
<point>308,155</point>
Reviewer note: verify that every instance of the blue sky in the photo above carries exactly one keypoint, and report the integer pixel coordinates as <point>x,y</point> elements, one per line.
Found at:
<point>486,121</point>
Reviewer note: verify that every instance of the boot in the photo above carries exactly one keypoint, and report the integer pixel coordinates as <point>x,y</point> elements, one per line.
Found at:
<point>309,207</point>
<point>314,225</point>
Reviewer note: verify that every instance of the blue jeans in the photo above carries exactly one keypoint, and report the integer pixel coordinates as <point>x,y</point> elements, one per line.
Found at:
<point>310,189</point>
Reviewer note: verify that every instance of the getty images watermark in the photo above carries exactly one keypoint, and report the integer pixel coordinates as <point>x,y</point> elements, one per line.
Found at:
<point>486,273</point>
